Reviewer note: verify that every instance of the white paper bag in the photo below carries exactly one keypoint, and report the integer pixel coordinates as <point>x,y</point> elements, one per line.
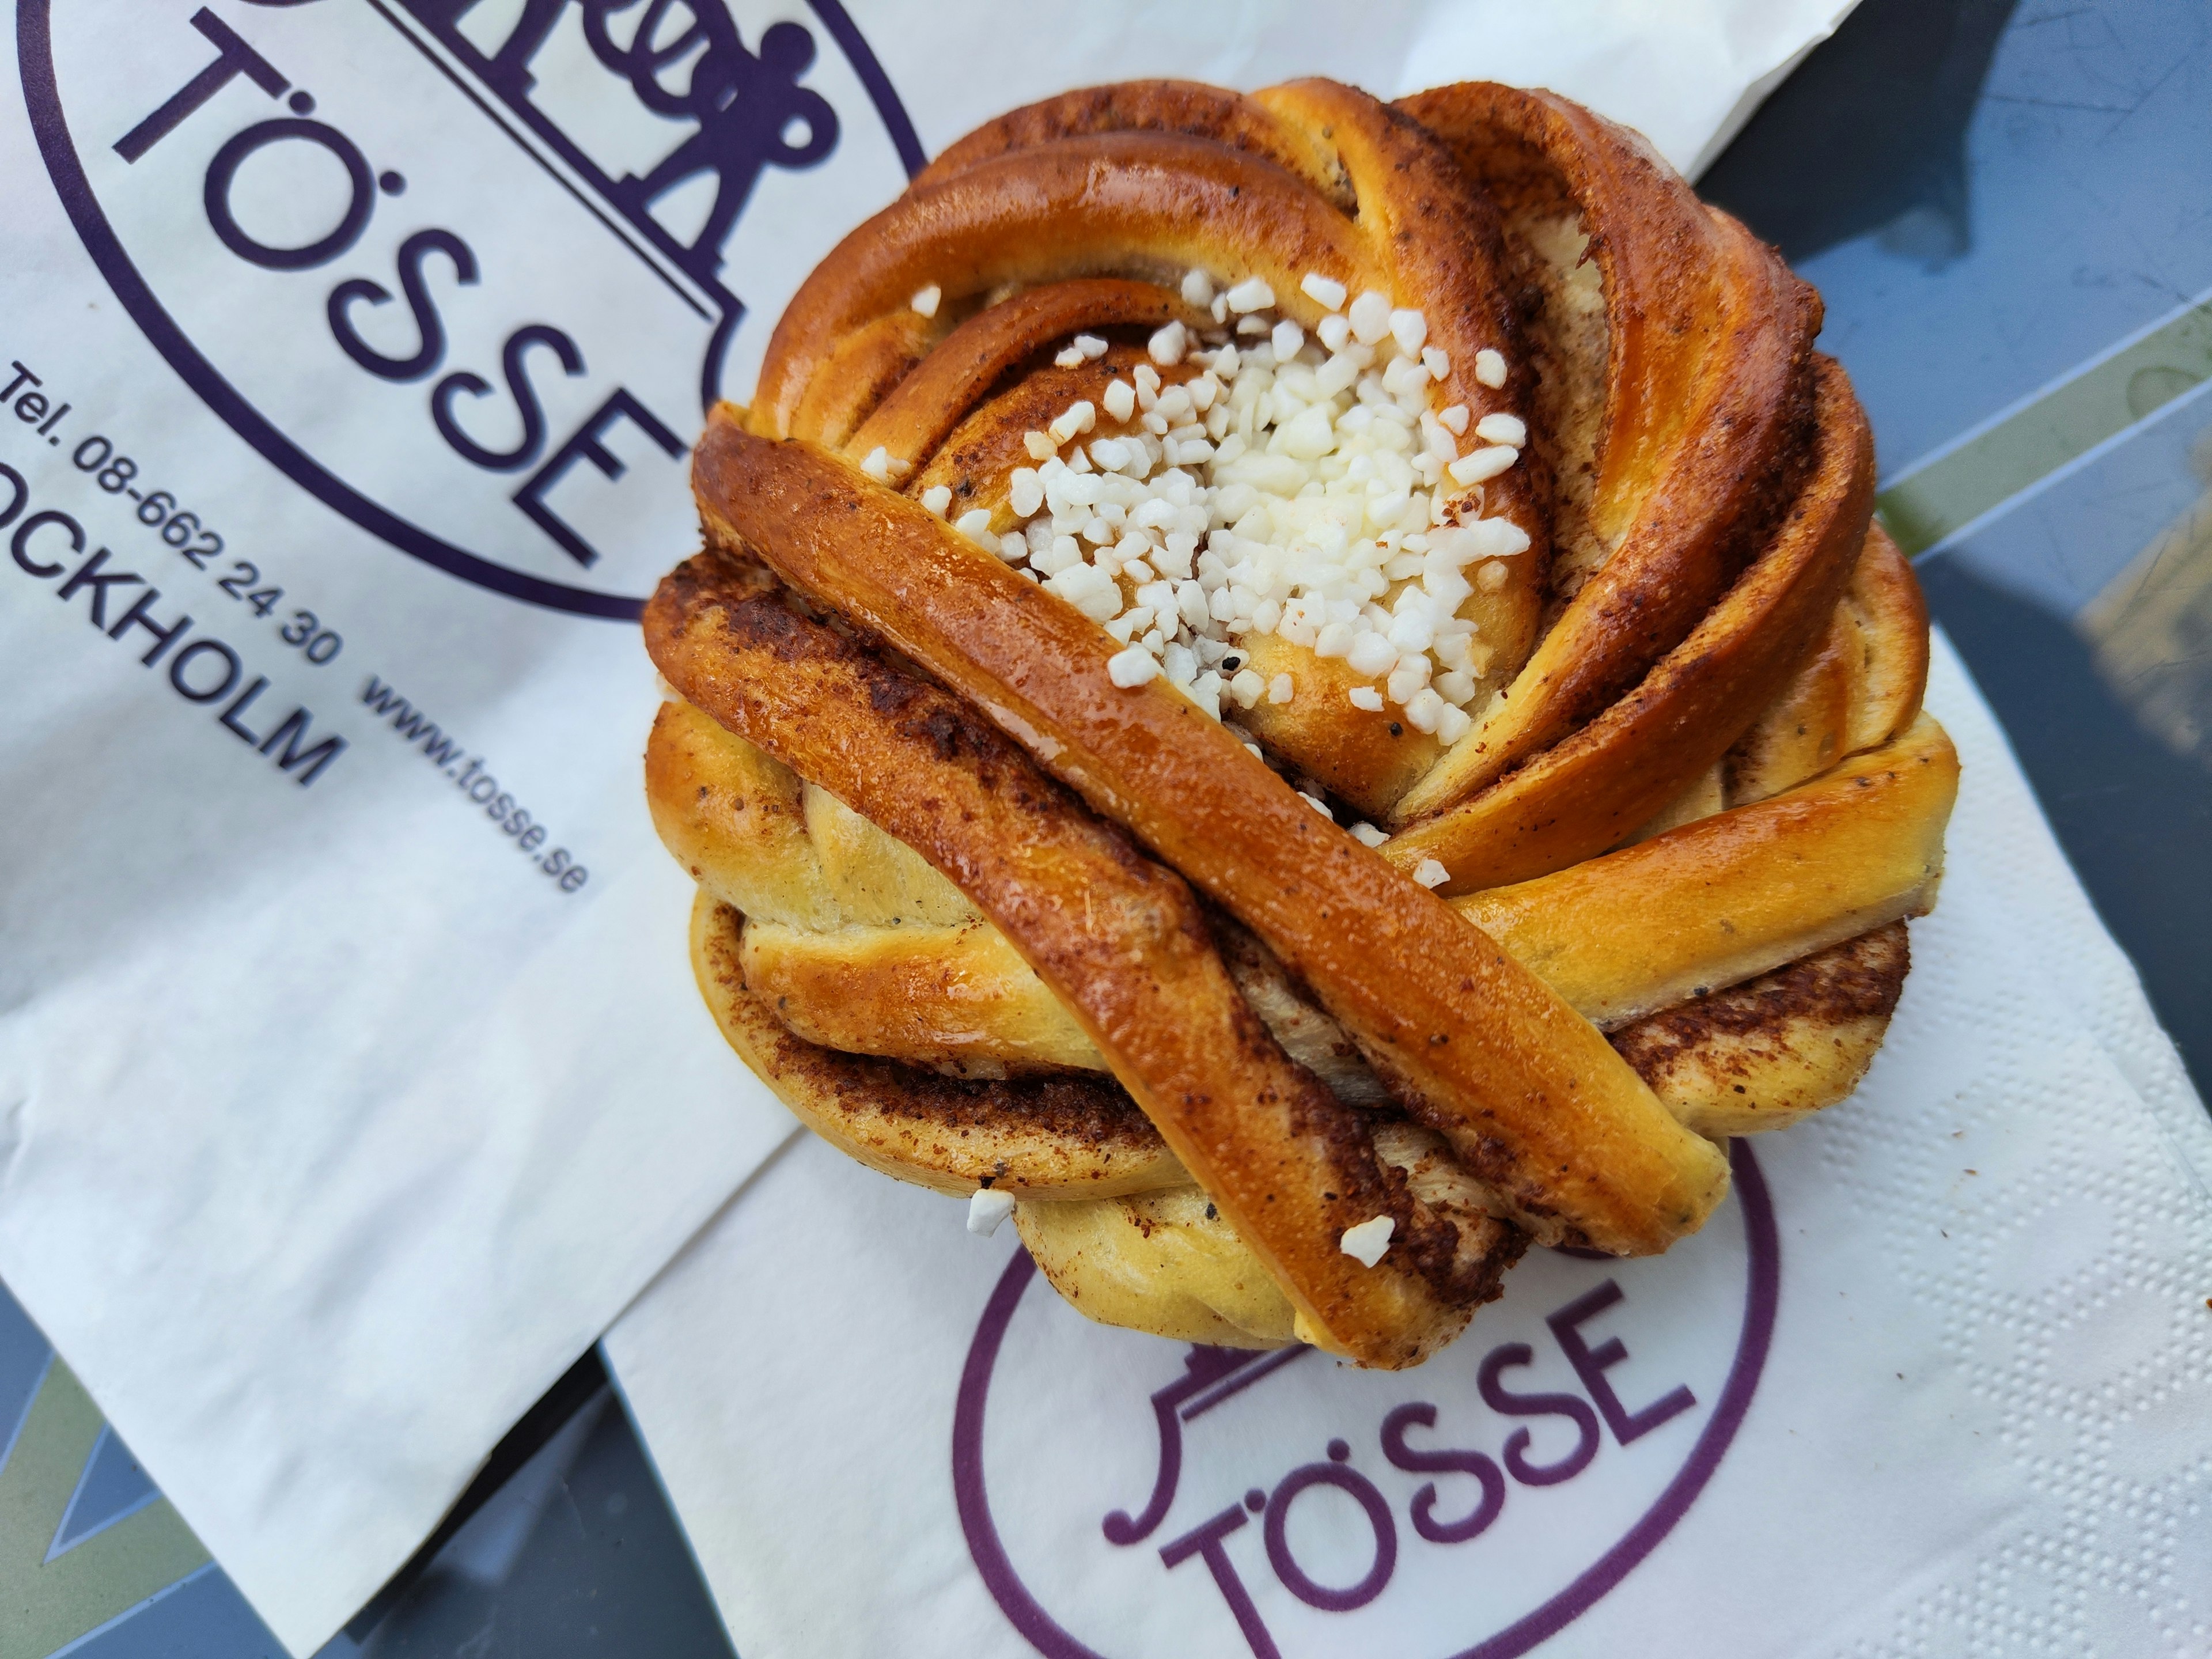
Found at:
<point>1937,1379</point>
<point>350,1075</point>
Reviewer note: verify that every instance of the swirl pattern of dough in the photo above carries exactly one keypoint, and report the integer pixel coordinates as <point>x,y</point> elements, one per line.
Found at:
<point>986,907</point>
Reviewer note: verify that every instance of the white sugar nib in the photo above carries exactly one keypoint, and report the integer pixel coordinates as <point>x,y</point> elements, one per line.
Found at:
<point>1313,485</point>
<point>989,1208</point>
<point>1366,1242</point>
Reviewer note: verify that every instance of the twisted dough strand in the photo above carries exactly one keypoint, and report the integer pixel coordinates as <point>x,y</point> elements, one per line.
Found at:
<point>1706,426</point>
<point>1118,937</point>
<point>1590,790</point>
<point>1531,1099</point>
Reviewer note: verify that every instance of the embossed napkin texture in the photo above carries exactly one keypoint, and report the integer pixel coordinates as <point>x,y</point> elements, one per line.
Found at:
<point>351,1077</point>
<point>1938,1379</point>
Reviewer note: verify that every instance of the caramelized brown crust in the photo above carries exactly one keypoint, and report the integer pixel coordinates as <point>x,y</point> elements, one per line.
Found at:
<point>1733,895</point>
<point>913,422</point>
<point>1751,1058</point>
<point>1117,203</point>
<point>1368,757</point>
<point>1526,1090</point>
<point>1057,1137</point>
<point>1118,938</point>
<point>1591,790</point>
<point>1146,180</point>
<point>1889,623</point>
<point>1707,422</point>
<point>1698,908</point>
<point>1770,1051</point>
<point>1860,688</point>
<point>981,450</point>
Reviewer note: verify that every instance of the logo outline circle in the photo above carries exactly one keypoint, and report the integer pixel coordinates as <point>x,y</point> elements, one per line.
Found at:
<point>1761,1298</point>
<point>66,169</point>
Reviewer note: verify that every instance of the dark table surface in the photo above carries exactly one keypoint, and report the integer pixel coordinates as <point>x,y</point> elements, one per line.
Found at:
<point>2008,208</point>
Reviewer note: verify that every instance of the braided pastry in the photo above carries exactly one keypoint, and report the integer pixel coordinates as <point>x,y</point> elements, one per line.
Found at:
<point>1306,689</point>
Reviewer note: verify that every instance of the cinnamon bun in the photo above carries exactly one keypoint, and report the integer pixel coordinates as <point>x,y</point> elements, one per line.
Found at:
<point>1307,688</point>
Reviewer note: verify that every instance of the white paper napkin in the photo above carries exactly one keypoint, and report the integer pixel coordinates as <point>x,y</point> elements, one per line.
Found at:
<point>1686,73</point>
<point>1947,1356</point>
<point>339,1111</point>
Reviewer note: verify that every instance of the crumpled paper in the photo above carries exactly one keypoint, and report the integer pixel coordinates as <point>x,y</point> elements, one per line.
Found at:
<point>351,1076</point>
<point>1938,1378</point>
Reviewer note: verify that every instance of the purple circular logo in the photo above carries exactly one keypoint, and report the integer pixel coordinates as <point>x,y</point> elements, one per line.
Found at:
<point>1216,1501</point>
<point>466,274</point>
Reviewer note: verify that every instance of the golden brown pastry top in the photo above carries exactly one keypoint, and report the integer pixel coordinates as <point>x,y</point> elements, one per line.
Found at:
<point>1690,489</point>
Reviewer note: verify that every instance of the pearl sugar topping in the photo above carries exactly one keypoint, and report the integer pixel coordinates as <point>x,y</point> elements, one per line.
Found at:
<point>1296,486</point>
